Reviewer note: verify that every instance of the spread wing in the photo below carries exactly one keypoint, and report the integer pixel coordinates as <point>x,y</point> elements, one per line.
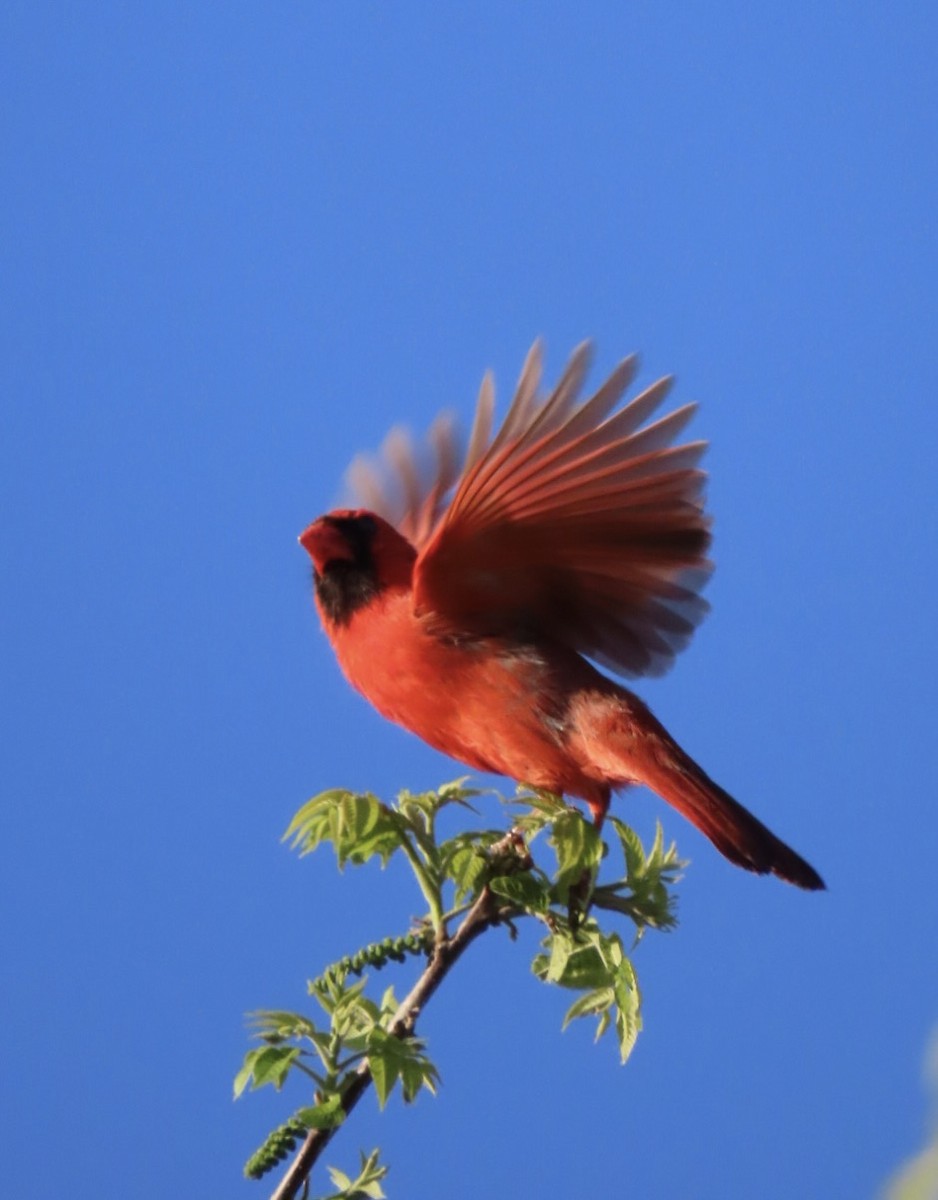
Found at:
<point>577,521</point>
<point>410,486</point>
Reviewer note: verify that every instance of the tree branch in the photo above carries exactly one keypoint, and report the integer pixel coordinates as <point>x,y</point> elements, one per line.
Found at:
<point>484,913</point>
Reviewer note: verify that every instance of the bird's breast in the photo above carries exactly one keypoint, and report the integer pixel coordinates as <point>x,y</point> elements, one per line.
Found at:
<point>495,704</point>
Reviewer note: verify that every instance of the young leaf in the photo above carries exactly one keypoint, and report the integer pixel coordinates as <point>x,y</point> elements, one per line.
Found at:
<point>524,890</point>
<point>544,807</point>
<point>632,849</point>
<point>577,845</point>
<point>628,1006</point>
<point>462,859</point>
<point>355,1013</point>
<point>648,879</point>
<point>265,1064</point>
<point>391,1058</point>
<point>357,824</point>
<point>272,1024</point>
<point>246,1072</point>
<point>316,821</point>
<point>595,963</point>
<point>366,827</point>
<point>578,962</point>
<point>366,1187</point>
<point>417,1073</point>
<point>590,1004</point>
<point>341,1180</point>
<point>383,1075</point>
<point>327,1114</point>
<point>561,948</point>
<point>430,803</point>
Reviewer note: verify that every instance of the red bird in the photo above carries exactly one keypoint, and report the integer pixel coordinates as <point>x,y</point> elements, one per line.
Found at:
<point>466,604</point>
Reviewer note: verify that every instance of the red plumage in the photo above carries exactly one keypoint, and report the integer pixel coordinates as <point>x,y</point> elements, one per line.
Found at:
<point>465,602</point>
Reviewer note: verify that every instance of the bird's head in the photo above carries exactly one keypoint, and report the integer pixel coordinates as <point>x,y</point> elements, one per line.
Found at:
<point>356,555</point>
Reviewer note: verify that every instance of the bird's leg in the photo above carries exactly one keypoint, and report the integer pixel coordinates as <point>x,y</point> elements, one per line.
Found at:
<point>598,804</point>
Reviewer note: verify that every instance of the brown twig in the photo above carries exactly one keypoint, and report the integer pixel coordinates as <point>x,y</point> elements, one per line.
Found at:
<point>484,913</point>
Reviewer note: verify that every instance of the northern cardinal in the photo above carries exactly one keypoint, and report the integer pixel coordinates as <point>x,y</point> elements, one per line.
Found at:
<point>467,602</point>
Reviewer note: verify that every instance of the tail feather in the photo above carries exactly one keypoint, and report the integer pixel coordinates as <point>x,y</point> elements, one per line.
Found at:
<point>735,832</point>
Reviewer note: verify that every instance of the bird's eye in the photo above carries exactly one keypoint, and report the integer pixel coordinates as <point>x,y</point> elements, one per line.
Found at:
<point>367,524</point>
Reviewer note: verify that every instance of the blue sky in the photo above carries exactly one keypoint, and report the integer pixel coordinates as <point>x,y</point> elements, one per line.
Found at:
<point>241,242</point>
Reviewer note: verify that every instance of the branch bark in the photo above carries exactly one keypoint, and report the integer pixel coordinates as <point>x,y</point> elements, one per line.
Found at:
<point>484,913</point>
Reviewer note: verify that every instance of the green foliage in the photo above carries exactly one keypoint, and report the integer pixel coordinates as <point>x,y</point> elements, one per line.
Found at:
<point>595,964</point>
<point>399,1058</point>
<point>480,878</point>
<point>265,1064</point>
<point>577,846</point>
<point>367,1184</point>
<point>359,827</point>
<point>643,895</point>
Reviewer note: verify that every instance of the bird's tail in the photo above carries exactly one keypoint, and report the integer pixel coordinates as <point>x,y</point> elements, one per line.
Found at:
<point>735,832</point>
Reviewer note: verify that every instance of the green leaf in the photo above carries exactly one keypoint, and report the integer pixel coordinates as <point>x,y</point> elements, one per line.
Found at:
<point>632,849</point>
<point>648,879</point>
<point>391,1058</point>
<point>628,1018</point>
<point>340,1179</point>
<point>429,803</point>
<point>384,1076</point>
<point>561,948</point>
<point>415,1075</point>
<point>271,1023</point>
<point>462,859</point>
<point>355,1013</point>
<point>327,1114</point>
<point>525,891</point>
<point>366,1187</point>
<point>595,963</point>
<point>580,961</point>
<point>246,1072</point>
<point>545,806</point>
<point>590,1004</point>
<point>265,1064</point>
<point>358,825</point>
<point>419,810</point>
<point>366,827</point>
<point>316,821</point>
<point>273,1064</point>
<point>577,845</point>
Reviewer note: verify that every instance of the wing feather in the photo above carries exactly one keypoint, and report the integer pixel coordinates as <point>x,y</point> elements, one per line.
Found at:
<point>481,434</point>
<point>402,486</point>
<point>577,520</point>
